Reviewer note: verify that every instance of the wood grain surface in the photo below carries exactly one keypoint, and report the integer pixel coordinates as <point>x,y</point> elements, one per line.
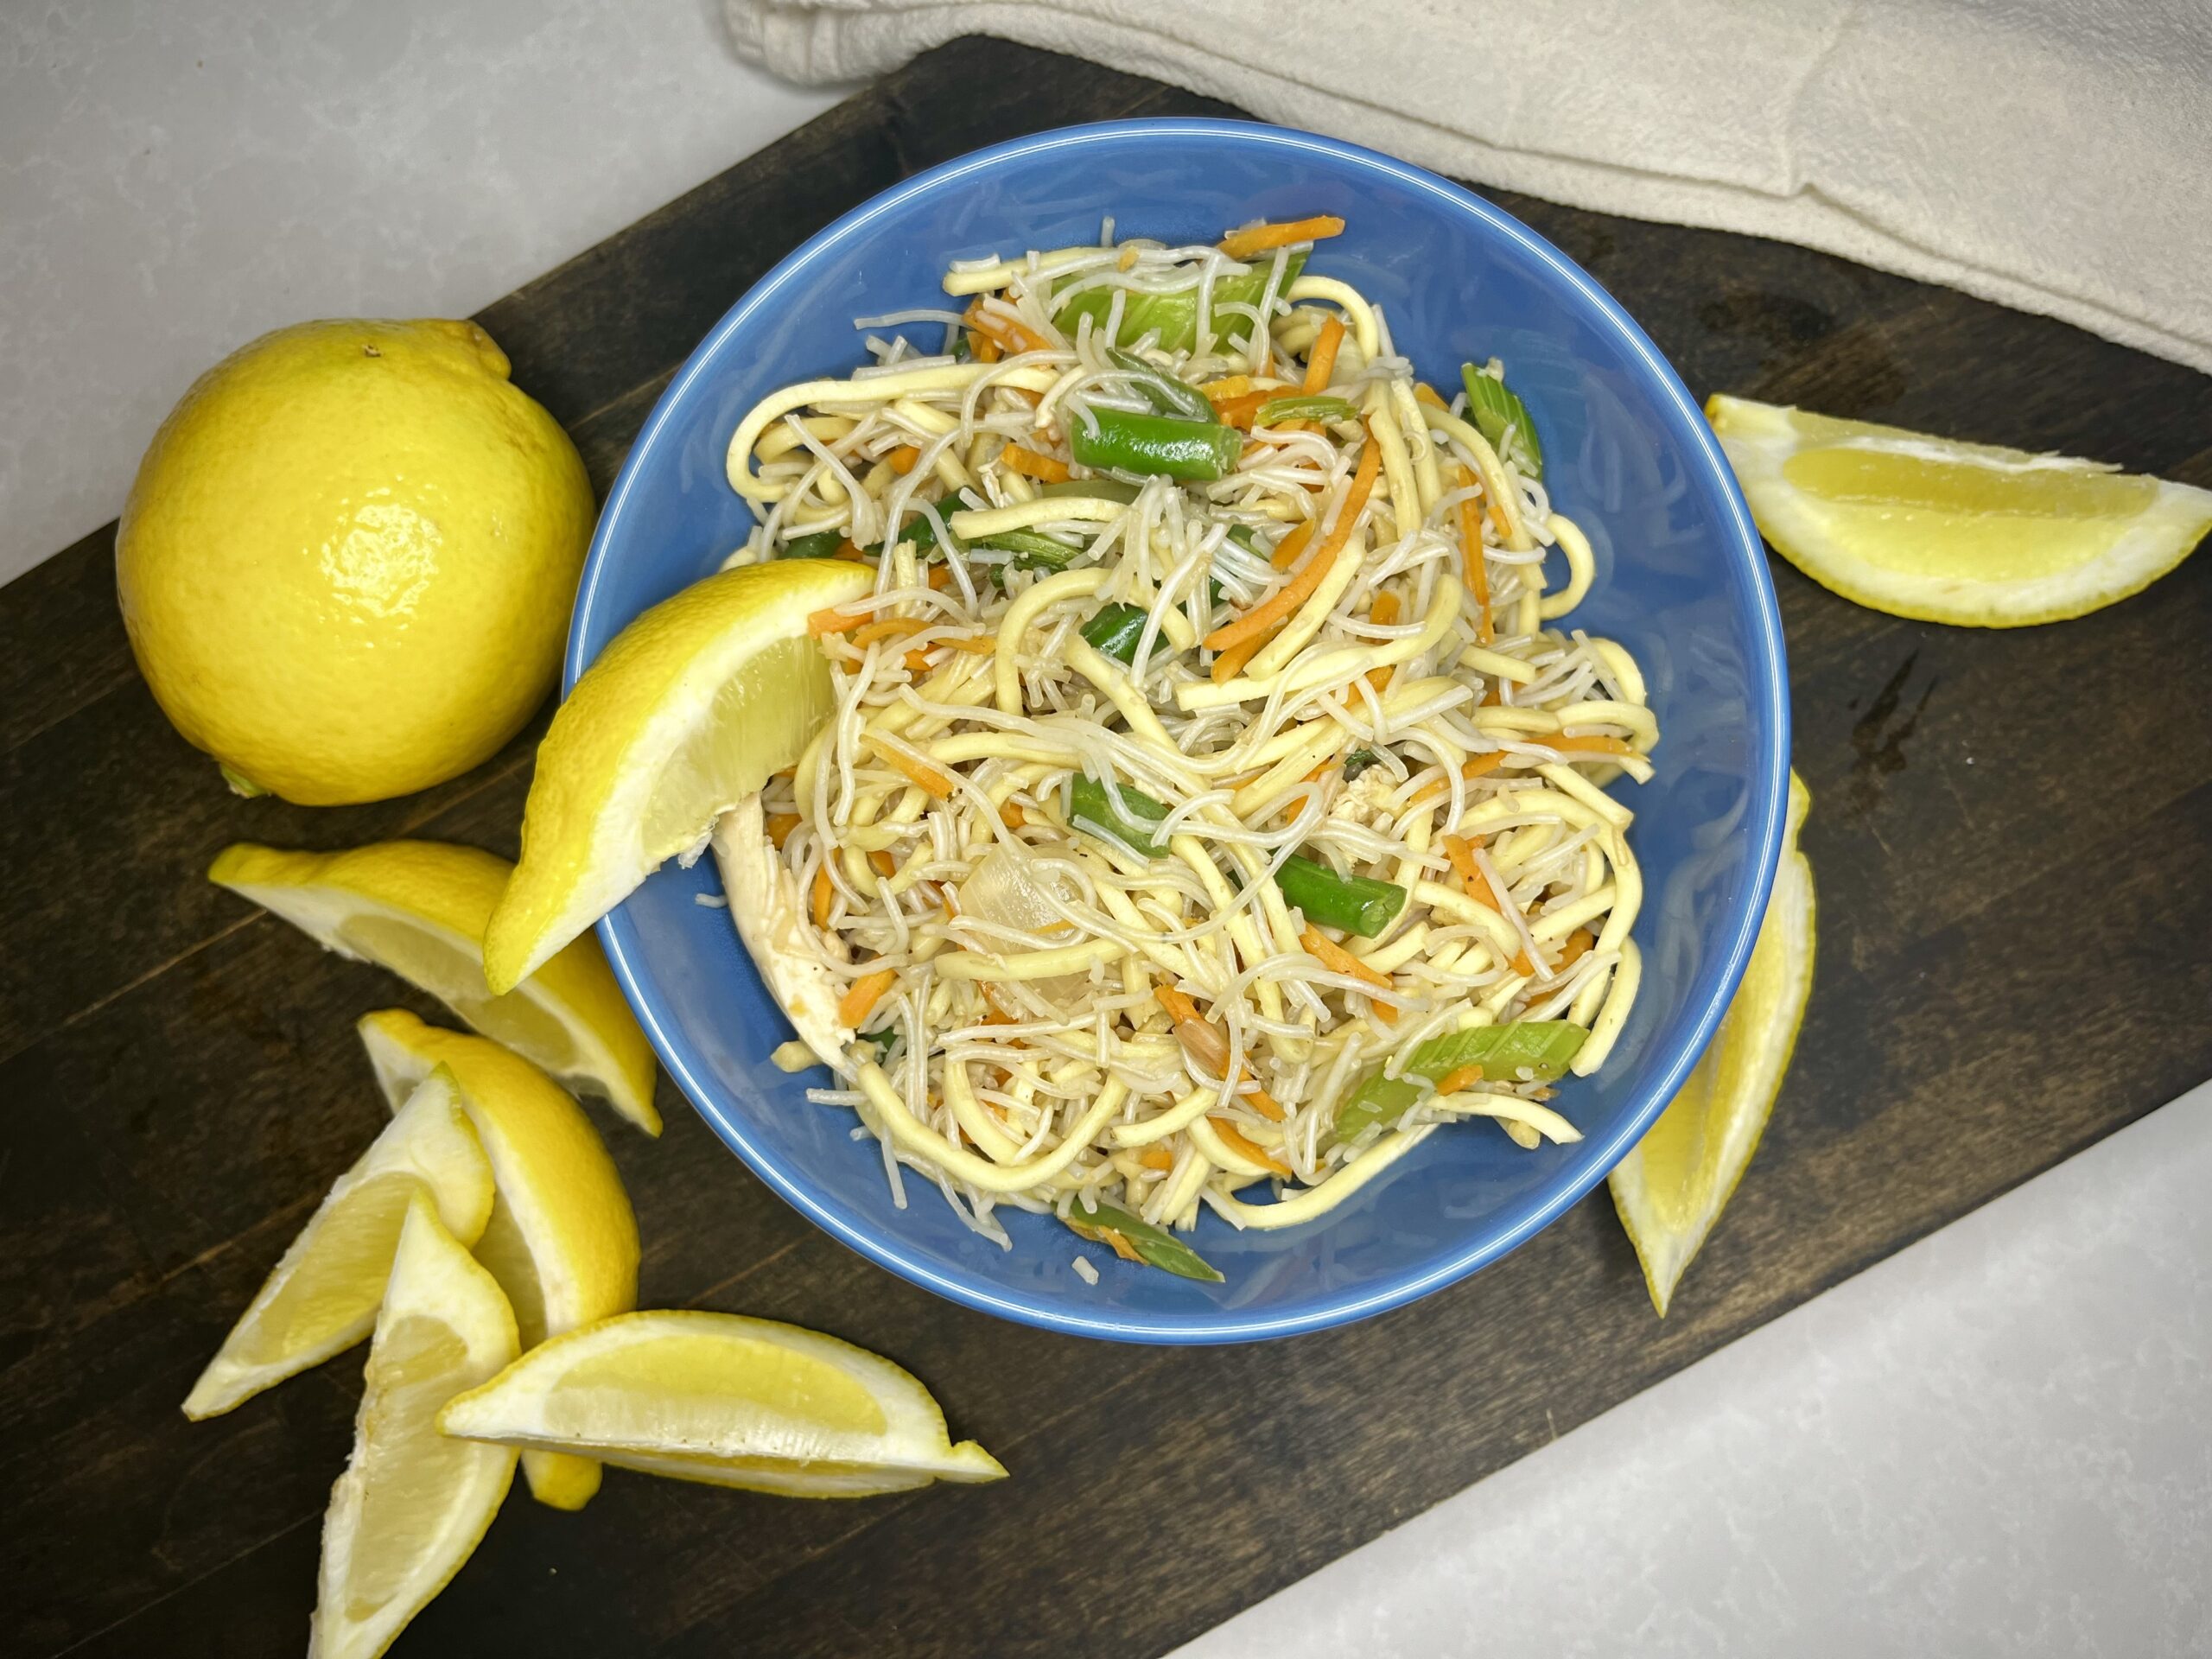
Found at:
<point>2010,833</point>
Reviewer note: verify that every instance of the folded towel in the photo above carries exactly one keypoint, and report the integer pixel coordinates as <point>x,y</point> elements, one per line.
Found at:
<point>2050,155</point>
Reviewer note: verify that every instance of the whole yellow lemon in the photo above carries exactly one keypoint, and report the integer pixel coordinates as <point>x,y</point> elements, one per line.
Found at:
<point>347,560</point>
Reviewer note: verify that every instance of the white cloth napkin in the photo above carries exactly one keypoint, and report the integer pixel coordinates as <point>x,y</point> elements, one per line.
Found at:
<point>2050,155</point>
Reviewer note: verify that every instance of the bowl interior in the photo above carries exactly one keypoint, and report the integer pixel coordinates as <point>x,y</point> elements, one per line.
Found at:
<point>1681,583</point>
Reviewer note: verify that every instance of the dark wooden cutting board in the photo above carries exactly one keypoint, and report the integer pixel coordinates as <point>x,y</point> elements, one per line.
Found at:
<point>2010,833</point>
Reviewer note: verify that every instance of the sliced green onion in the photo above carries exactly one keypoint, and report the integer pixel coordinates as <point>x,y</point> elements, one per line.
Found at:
<point>1034,549</point>
<point>821,544</point>
<point>1090,807</point>
<point>1317,407</point>
<point>1155,1246</point>
<point>1163,391</point>
<point>1496,411</point>
<point>1115,630</point>
<point>1358,904</point>
<point>1358,762</point>
<point>1155,445</point>
<point>1172,316</point>
<point>1527,1050</point>
<point>1248,538</point>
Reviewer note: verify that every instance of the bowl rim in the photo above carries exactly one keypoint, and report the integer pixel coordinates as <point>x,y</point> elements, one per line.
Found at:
<point>617,931</point>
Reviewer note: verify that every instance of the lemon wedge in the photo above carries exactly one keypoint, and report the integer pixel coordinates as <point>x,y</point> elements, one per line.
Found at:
<point>684,715</point>
<point>412,1504</point>
<point>725,1400</point>
<point>1963,533</point>
<point>323,1297</point>
<point>562,1240</point>
<point>419,908</point>
<point>1671,1189</point>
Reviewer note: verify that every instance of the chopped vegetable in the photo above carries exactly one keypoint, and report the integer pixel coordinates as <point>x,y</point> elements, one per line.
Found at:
<point>885,1041</point>
<point>862,994</point>
<point>1338,960</point>
<point>1165,393</point>
<point>935,782</point>
<point>1153,1245</point>
<point>821,544</point>
<point>1502,418</point>
<point>1358,904</point>
<point>1172,317</point>
<point>1287,599</point>
<point>1321,361</point>
<point>1034,549</point>
<point>920,531</point>
<point>1101,489</point>
<point>1115,630</point>
<point>1542,1049</point>
<point>1358,762</point>
<point>1155,445</point>
<point>1302,407</point>
<point>1259,238</point>
<point>1049,469</point>
<point>1091,807</point>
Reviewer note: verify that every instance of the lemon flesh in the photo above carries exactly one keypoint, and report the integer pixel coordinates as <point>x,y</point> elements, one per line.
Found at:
<point>412,1504</point>
<point>725,1400</point>
<point>347,563</point>
<point>1671,1189</point>
<point>419,908</point>
<point>1968,534</point>
<point>562,1240</point>
<point>323,1295</point>
<point>684,715</point>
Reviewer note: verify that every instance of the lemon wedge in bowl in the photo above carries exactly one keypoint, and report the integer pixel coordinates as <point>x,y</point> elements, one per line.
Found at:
<point>1964,533</point>
<point>419,908</point>
<point>412,1504</point>
<point>1671,1188</point>
<point>323,1297</point>
<point>562,1239</point>
<point>686,713</point>
<point>727,1401</point>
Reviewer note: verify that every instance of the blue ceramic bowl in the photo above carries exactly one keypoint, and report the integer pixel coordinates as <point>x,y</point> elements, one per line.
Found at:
<point>1681,582</point>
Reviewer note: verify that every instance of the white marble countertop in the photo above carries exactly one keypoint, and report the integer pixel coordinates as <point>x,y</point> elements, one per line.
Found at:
<point>1993,1443</point>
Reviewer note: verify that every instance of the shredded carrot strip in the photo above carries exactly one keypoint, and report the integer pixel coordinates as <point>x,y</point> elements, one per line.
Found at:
<point>917,662</point>
<point>1338,960</point>
<point>1425,393</point>
<point>1462,859</point>
<point>937,783</point>
<point>1260,1100</point>
<point>982,348</point>
<point>1592,743</point>
<point>1045,469</point>
<point>1230,385</point>
<point>1230,663</point>
<point>832,621</point>
<point>903,458</point>
<point>940,576</point>
<point>1286,550</point>
<point>1577,946</point>
<point>1477,562</point>
<point>1001,1013</point>
<point>1229,1132</point>
<point>1242,409</point>
<point>1382,613</point>
<point>1463,1076</point>
<point>1318,772</point>
<point>975,644</point>
<point>882,864</point>
<point>1323,358</point>
<point>823,894</point>
<point>780,826</point>
<point>1493,697</point>
<point>1177,1003</point>
<point>1287,599</point>
<point>1475,768</point>
<point>1010,334</point>
<point>859,1000</point>
<point>888,627</point>
<point>848,550</point>
<point>1259,238</point>
<point>1156,1158</point>
<point>1012,815</point>
<point>1179,1008</point>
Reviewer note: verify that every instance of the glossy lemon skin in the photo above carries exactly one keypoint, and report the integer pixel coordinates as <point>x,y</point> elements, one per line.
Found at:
<point>347,563</point>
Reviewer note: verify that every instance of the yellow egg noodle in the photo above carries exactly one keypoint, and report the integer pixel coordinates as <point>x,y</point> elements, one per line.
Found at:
<point>1209,748</point>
